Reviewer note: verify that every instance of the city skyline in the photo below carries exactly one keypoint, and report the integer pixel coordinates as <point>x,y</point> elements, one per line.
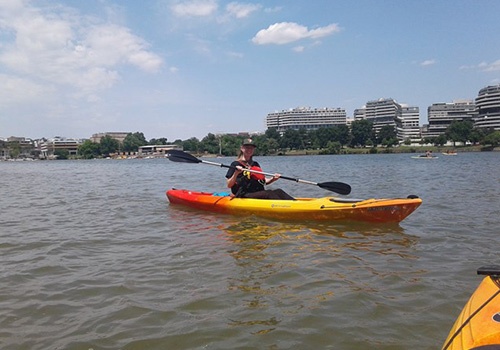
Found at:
<point>181,69</point>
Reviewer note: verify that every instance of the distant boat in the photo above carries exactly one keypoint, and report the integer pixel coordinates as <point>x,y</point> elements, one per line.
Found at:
<point>449,153</point>
<point>423,156</point>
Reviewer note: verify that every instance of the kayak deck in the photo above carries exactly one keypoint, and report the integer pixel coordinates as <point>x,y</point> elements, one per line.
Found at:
<point>478,325</point>
<point>392,210</point>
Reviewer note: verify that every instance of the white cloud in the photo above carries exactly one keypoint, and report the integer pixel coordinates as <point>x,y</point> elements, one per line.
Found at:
<point>195,8</point>
<point>490,67</point>
<point>240,10</point>
<point>59,47</point>
<point>273,9</point>
<point>428,63</point>
<point>299,48</point>
<point>484,66</point>
<point>16,90</point>
<point>287,32</point>
<point>234,54</point>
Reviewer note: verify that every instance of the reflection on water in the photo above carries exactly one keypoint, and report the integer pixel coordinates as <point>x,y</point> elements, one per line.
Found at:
<point>274,263</point>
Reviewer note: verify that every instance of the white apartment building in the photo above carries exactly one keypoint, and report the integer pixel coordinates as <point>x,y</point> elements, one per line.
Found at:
<point>383,112</point>
<point>408,125</point>
<point>441,115</point>
<point>488,108</point>
<point>306,118</point>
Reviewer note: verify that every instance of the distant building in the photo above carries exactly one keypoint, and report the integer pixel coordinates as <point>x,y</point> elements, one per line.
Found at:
<point>49,147</point>
<point>408,125</point>
<point>441,115</point>
<point>360,113</point>
<point>157,150</point>
<point>306,118</point>
<point>488,108</point>
<point>383,112</point>
<point>119,136</point>
<point>17,147</point>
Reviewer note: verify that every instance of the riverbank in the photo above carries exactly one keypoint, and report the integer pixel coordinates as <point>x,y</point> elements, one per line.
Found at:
<point>400,149</point>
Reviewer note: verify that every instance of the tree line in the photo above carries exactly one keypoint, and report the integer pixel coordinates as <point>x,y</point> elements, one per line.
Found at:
<point>329,140</point>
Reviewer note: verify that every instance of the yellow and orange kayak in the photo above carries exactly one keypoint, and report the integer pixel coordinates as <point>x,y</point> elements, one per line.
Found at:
<point>391,210</point>
<point>478,325</point>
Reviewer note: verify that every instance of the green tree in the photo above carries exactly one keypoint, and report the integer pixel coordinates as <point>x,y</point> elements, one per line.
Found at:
<point>133,141</point>
<point>387,136</point>
<point>89,150</point>
<point>108,145</point>
<point>160,141</point>
<point>476,135</point>
<point>14,149</point>
<point>61,154</point>
<point>322,136</point>
<point>459,131</point>
<point>273,139</point>
<point>210,144</point>
<point>333,147</point>
<point>440,140</point>
<point>342,134</point>
<point>272,133</point>
<point>291,139</point>
<point>362,131</point>
<point>191,145</point>
<point>492,139</point>
<point>272,145</point>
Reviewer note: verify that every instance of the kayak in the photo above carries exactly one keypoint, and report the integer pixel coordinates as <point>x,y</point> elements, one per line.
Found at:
<point>392,210</point>
<point>478,325</point>
<point>449,154</point>
<point>425,157</point>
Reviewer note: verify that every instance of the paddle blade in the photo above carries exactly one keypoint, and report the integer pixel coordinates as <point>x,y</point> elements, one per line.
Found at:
<point>180,156</point>
<point>338,187</point>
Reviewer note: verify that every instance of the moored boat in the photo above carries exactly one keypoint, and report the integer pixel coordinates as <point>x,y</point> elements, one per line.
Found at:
<point>478,325</point>
<point>391,210</point>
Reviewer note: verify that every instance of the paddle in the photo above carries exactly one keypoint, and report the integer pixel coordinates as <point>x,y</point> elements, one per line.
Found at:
<point>183,157</point>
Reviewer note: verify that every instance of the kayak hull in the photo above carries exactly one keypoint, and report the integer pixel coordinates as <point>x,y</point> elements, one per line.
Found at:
<point>478,325</point>
<point>302,209</point>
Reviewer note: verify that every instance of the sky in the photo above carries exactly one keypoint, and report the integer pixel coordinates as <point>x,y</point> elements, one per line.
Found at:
<point>181,69</point>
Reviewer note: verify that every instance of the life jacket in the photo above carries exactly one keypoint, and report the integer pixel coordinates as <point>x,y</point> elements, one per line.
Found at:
<point>249,182</point>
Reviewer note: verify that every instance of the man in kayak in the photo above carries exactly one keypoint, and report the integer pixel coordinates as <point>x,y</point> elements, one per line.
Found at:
<point>245,184</point>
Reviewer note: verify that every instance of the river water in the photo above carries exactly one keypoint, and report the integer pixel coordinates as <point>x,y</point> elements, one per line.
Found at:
<point>94,257</point>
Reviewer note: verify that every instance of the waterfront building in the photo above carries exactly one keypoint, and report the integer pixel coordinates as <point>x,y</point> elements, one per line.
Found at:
<point>157,150</point>
<point>383,112</point>
<point>488,108</point>
<point>408,124</point>
<point>360,113</point>
<point>17,147</point>
<point>306,118</point>
<point>119,136</point>
<point>441,115</point>
<point>386,111</point>
<point>50,147</point>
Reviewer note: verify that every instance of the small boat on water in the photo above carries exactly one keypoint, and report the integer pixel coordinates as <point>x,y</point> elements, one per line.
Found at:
<point>423,156</point>
<point>450,153</point>
<point>392,210</point>
<point>478,325</point>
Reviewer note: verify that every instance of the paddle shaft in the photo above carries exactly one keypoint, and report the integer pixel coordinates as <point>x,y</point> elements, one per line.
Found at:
<point>258,172</point>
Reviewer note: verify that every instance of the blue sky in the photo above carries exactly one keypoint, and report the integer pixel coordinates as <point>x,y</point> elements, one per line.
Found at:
<point>181,69</point>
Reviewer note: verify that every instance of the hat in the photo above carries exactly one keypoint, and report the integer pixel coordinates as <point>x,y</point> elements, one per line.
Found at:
<point>248,142</point>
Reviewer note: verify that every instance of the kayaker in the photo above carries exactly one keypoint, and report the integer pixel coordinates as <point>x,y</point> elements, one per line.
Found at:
<point>244,184</point>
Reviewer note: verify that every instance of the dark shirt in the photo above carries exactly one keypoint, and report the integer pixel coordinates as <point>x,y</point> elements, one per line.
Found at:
<point>243,184</point>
